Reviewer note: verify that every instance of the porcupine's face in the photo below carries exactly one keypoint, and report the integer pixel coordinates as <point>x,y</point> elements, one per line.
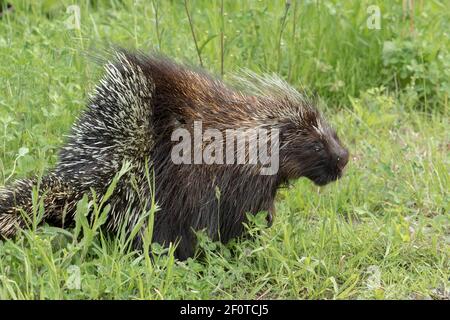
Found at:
<point>312,150</point>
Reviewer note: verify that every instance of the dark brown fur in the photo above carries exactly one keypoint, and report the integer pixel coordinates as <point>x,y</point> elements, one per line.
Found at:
<point>164,96</point>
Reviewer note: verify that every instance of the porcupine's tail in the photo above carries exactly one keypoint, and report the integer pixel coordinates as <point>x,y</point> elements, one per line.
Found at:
<point>18,208</point>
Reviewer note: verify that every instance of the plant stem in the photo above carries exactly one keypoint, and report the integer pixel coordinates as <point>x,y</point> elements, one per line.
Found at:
<point>193,33</point>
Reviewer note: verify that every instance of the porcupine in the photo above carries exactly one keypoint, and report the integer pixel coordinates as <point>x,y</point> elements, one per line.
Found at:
<point>136,107</point>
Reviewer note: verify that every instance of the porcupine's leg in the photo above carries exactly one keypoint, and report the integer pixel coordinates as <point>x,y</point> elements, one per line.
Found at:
<point>16,203</point>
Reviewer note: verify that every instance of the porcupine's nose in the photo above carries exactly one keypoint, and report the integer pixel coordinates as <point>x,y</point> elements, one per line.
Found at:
<point>342,158</point>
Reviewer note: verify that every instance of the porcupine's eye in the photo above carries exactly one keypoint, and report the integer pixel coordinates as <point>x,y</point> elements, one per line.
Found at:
<point>317,147</point>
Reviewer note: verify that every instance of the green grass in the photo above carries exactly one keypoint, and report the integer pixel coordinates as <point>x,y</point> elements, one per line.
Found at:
<point>383,231</point>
